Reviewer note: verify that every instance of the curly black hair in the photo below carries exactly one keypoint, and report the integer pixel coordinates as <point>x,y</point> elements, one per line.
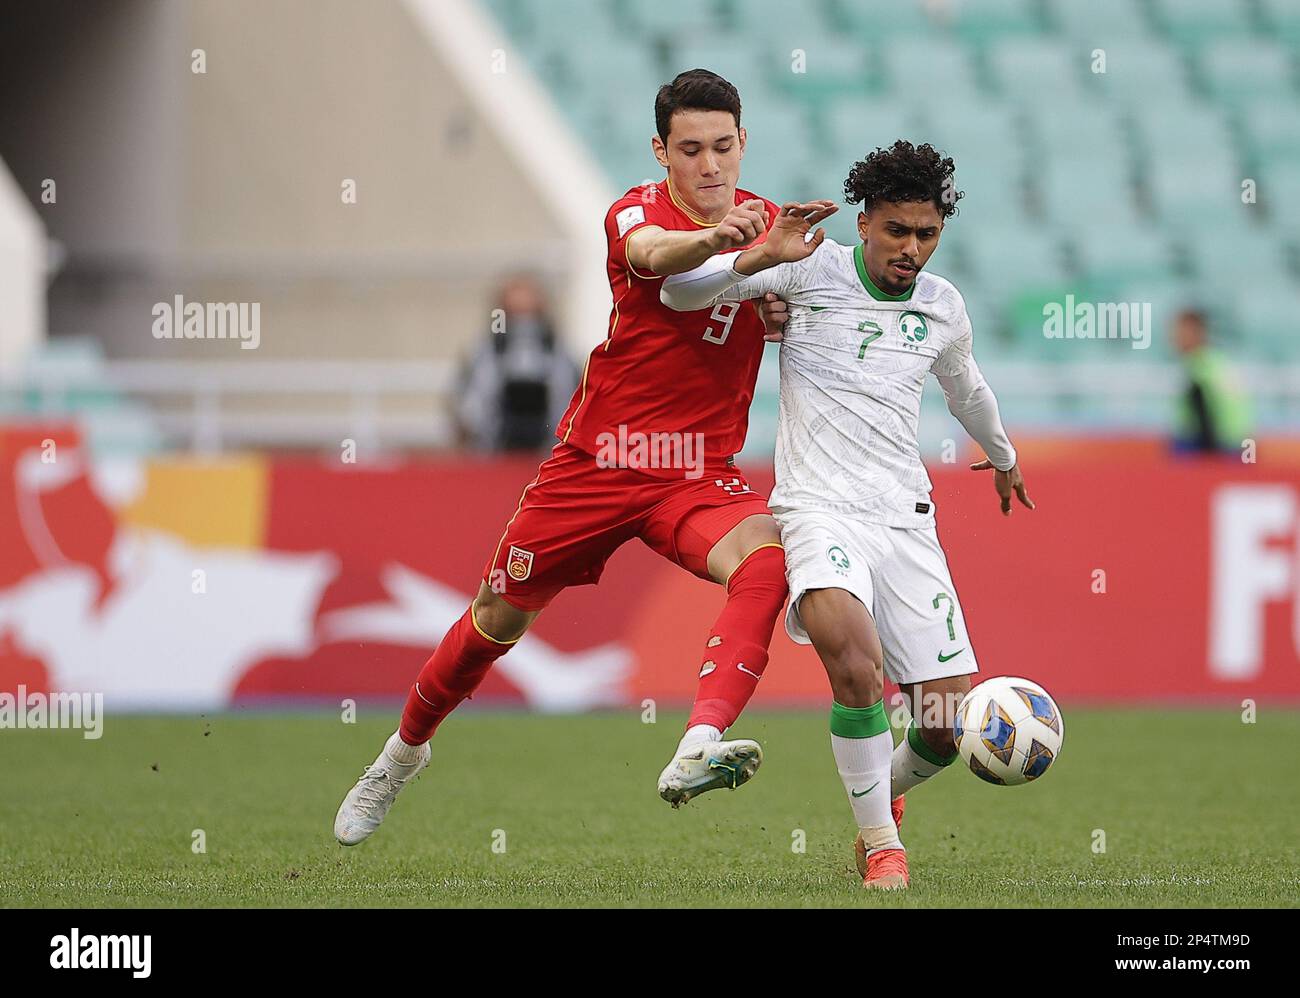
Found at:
<point>904,172</point>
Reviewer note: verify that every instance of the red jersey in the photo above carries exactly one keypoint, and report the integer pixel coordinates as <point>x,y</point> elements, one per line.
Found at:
<point>661,371</point>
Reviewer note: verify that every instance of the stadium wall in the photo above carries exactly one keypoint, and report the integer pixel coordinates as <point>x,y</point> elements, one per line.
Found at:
<point>183,585</point>
<point>213,140</point>
<point>22,274</point>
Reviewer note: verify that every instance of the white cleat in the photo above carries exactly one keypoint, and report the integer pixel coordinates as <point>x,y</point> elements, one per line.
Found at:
<point>368,801</point>
<point>709,766</point>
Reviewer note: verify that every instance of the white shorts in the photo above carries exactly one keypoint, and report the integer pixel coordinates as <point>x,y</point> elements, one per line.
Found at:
<point>899,574</point>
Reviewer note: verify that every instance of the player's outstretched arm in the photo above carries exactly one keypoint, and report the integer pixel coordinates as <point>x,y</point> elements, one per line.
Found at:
<point>739,276</point>
<point>972,401</point>
<point>666,252</point>
<point>789,239</point>
<point>713,281</point>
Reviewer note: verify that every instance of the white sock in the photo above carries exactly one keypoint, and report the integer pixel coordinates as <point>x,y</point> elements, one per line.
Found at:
<point>402,756</point>
<point>862,745</point>
<point>864,768</point>
<point>909,768</point>
<point>697,734</point>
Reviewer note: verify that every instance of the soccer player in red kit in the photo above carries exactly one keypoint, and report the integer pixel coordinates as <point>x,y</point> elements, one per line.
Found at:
<point>645,450</point>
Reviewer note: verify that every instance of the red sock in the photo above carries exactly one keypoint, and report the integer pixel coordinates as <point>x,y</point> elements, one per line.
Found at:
<point>737,645</point>
<point>454,671</point>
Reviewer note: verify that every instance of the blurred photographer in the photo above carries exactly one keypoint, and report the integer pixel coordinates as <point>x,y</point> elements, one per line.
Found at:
<point>515,387</point>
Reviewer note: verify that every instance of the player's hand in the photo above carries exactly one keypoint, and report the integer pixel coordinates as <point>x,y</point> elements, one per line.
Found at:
<point>741,226</point>
<point>787,239</point>
<point>776,314</point>
<point>1006,482</point>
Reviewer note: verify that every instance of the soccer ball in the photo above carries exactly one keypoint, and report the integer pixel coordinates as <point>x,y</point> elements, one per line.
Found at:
<point>1008,730</point>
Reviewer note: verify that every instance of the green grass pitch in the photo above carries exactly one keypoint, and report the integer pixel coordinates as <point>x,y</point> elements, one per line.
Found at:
<point>1197,809</point>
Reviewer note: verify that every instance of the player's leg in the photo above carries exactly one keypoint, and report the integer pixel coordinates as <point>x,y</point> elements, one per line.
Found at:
<point>928,748</point>
<point>929,653</point>
<point>720,529</point>
<point>485,632</point>
<point>749,563</point>
<point>560,535</point>
<point>844,635</point>
<point>829,564</point>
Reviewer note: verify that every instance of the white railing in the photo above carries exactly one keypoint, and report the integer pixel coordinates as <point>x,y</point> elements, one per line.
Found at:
<point>214,406</point>
<point>1117,393</point>
<point>211,406</point>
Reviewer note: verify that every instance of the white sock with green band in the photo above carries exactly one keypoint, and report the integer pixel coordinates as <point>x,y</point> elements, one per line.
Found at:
<point>915,762</point>
<point>862,745</point>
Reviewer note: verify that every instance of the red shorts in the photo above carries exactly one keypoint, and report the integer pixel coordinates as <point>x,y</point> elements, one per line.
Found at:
<point>575,514</point>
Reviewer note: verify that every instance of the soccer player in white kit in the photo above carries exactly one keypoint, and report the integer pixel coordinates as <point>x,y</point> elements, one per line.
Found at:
<point>869,584</point>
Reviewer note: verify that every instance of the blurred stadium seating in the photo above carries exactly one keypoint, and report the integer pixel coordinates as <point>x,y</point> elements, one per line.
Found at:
<point>1119,185</point>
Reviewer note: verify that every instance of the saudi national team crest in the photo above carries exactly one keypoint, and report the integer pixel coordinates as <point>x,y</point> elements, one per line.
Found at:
<point>519,563</point>
<point>912,326</point>
<point>838,558</point>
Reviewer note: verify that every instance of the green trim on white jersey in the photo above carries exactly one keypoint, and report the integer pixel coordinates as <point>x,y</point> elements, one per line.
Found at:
<point>870,285</point>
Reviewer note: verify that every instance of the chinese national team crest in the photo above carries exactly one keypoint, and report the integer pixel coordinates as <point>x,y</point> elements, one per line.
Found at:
<point>519,563</point>
<point>912,326</point>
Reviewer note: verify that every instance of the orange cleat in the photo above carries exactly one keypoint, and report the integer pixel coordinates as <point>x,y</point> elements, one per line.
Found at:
<point>865,866</point>
<point>896,809</point>
<point>886,869</point>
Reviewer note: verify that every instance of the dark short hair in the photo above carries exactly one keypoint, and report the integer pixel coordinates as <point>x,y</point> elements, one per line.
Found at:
<point>694,90</point>
<point>904,172</point>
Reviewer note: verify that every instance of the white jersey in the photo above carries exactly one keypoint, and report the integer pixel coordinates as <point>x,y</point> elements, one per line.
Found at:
<point>853,367</point>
